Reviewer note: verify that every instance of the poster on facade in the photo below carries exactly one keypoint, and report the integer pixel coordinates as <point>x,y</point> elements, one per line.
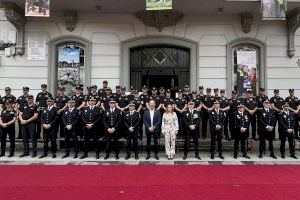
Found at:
<point>246,71</point>
<point>36,48</point>
<point>68,68</point>
<point>273,9</point>
<point>158,4</point>
<point>37,8</point>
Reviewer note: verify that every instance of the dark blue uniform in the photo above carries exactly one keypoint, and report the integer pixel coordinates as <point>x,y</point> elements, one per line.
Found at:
<point>241,121</point>
<point>7,116</point>
<point>216,117</point>
<point>287,121</point>
<point>71,117</point>
<point>132,119</point>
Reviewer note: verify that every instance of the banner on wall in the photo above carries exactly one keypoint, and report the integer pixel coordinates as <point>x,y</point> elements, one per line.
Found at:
<point>158,4</point>
<point>68,68</point>
<point>37,8</point>
<point>36,49</point>
<point>246,71</point>
<point>274,9</point>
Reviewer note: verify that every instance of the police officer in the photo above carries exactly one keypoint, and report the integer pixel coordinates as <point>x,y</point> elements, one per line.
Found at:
<point>106,99</point>
<point>41,102</point>
<point>102,91</point>
<point>154,97</point>
<point>251,106</point>
<point>197,102</point>
<point>216,94</point>
<point>91,116</point>
<point>118,92</point>
<point>80,103</point>
<point>70,120</point>
<point>21,102</point>
<point>201,93</point>
<point>287,122</point>
<point>122,104</point>
<point>216,122</point>
<point>234,101</point>
<point>8,96</point>
<point>267,122</point>
<point>180,107</point>
<point>93,94</point>
<point>132,122</point>
<point>277,103</point>
<point>167,100</point>
<point>208,103</point>
<point>28,116</point>
<point>61,104</point>
<point>293,102</point>
<point>131,95</point>
<point>49,123</point>
<point>241,131</point>
<point>186,92</point>
<point>8,118</point>
<point>162,92</point>
<point>112,119</point>
<point>144,98</point>
<point>261,98</point>
<point>191,119</point>
<point>225,107</point>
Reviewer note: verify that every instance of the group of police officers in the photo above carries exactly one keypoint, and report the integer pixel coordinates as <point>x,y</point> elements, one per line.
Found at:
<point>114,115</point>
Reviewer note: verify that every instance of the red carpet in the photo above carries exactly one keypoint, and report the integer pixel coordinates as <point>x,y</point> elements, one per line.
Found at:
<point>149,182</point>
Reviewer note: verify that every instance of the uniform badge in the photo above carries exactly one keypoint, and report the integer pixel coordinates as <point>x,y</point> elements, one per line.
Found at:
<point>187,114</point>
<point>195,115</point>
<point>44,111</point>
<point>66,113</point>
<point>213,113</point>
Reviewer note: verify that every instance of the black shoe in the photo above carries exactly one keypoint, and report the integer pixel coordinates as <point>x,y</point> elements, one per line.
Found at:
<point>54,155</point>
<point>156,157</point>
<point>198,157</point>
<point>260,156</point>
<point>148,157</point>
<point>184,156</point>
<point>235,156</point>
<point>24,155</point>
<point>246,156</point>
<point>221,156</point>
<point>83,156</point>
<point>43,155</point>
<point>97,156</point>
<point>294,156</point>
<point>117,156</point>
<point>127,156</point>
<point>273,156</point>
<point>212,156</point>
<point>136,156</point>
<point>11,154</point>
<point>66,155</point>
<point>34,155</point>
<point>106,157</point>
<point>75,155</point>
<point>2,154</point>
<point>283,156</point>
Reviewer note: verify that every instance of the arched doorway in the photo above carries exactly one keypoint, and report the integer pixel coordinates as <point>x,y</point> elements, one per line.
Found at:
<point>159,61</point>
<point>69,63</point>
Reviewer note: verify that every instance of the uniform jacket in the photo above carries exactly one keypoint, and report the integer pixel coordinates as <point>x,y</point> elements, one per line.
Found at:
<point>112,119</point>
<point>216,119</point>
<point>70,118</point>
<point>91,116</point>
<point>191,119</point>
<point>49,116</point>
<point>132,120</point>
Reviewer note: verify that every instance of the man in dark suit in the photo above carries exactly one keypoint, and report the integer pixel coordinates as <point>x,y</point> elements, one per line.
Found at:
<point>242,122</point>
<point>191,120</point>
<point>287,122</point>
<point>49,123</point>
<point>267,122</point>
<point>152,121</point>
<point>132,121</point>
<point>70,120</point>
<point>216,122</point>
<point>112,120</point>
<point>91,116</point>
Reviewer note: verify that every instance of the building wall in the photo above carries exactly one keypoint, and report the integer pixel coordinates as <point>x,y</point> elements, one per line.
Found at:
<point>107,31</point>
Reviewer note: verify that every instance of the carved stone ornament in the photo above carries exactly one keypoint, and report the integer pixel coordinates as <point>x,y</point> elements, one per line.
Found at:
<point>159,18</point>
<point>16,17</point>
<point>70,19</point>
<point>246,21</point>
<point>293,22</point>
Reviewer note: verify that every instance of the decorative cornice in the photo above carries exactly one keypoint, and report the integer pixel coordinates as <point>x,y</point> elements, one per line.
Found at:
<point>246,21</point>
<point>16,17</point>
<point>159,18</point>
<point>293,23</point>
<point>70,19</point>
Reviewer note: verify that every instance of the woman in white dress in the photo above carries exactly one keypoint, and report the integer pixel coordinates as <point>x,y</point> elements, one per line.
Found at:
<point>169,129</point>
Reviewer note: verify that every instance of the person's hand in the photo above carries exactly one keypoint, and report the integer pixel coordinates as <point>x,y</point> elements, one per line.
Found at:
<point>151,129</point>
<point>89,126</point>
<point>131,129</point>
<point>192,127</point>
<point>113,130</point>
<point>163,132</point>
<point>290,130</point>
<point>4,125</point>
<point>69,127</point>
<point>45,126</point>
<point>218,127</point>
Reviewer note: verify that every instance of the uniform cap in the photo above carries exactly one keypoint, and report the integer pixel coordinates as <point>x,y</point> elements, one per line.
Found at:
<point>131,104</point>
<point>94,86</point>
<point>50,99</point>
<point>29,97</point>
<point>262,89</point>
<point>71,101</point>
<point>105,82</point>
<point>234,92</point>
<point>201,87</point>
<point>194,92</point>
<point>240,106</point>
<point>25,88</point>
<point>291,90</point>
<point>43,85</point>
<point>92,99</point>
<point>285,105</point>
<point>7,89</point>
<point>276,90</point>
<point>168,91</point>
<point>216,102</point>
<point>61,89</point>
<point>216,90</point>
<point>208,89</point>
<point>222,91</point>
<point>154,88</point>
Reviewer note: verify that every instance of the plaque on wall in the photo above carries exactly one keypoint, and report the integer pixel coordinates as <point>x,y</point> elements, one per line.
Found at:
<point>36,47</point>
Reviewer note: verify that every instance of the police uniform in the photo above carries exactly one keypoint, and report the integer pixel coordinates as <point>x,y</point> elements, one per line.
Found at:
<point>71,117</point>
<point>224,103</point>
<point>60,102</point>
<point>261,99</point>
<point>180,104</point>
<point>251,104</point>
<point>28,130</point>
<point>79,99</point>
<point>112,119</point>
<point>139,102</point>
<point>216,122</point>
<point>10,98</point>
<point>167,100</point>
<point>191,118</point>
<point>6,117</point>
<point>91,115</point>
<point>208,101</point>
<point>157,100</point>
<point>106,100</point>
<point>277,102</point>
<point>266,117</point>
<point>102,91</point>
<point>287,122</point>
<point>293,102</point>
<point>241,121</point>
<point>233,103</point>
<point>122,103</point>
<point>49,117</point>
<point>132,119</point>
